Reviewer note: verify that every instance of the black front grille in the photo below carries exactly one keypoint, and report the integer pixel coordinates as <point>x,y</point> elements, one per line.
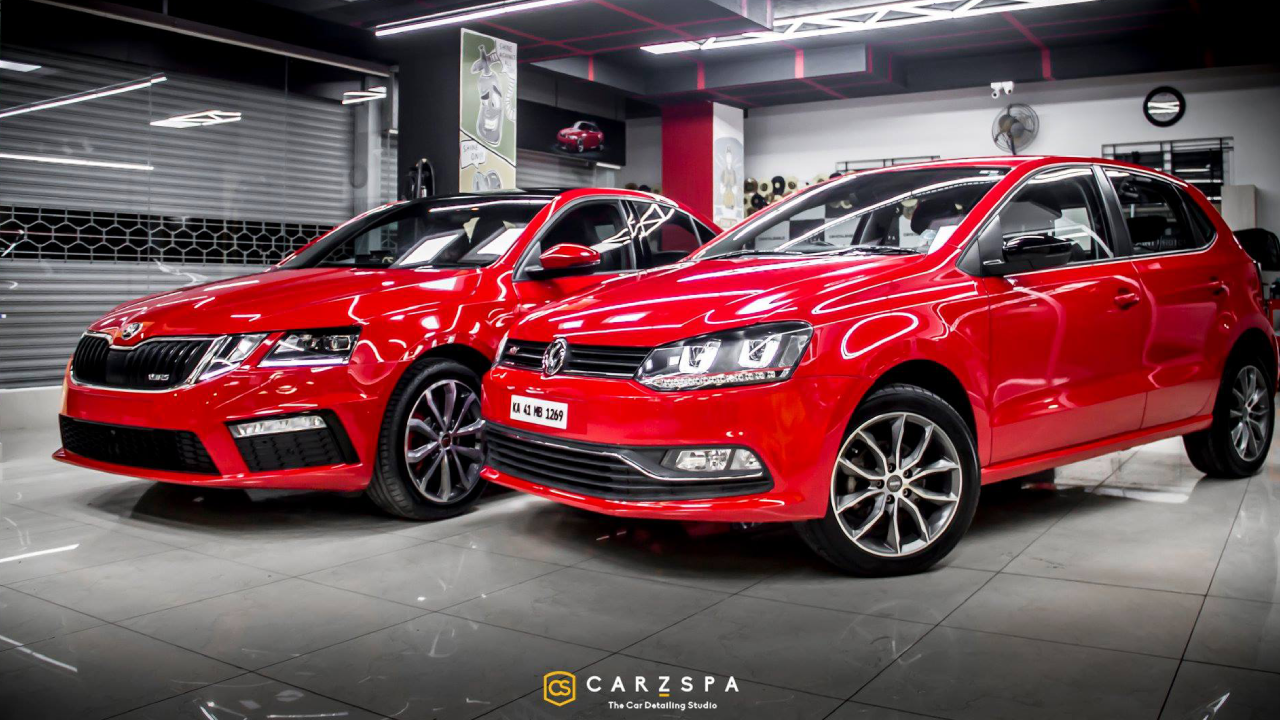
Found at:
<point>157,364</point>
<point>290,450</point>
<point>597,470</point>
<point>172,450</point>
<point>603,360</point>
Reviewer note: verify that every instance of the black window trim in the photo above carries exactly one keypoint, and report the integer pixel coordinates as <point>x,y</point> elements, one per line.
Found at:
<point>1181,188</point>
<point>530,252</point>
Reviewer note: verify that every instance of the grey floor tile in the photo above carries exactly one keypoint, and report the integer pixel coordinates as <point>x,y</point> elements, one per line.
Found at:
<point>25,619</point>
<point>962,674</point>
<point>707,556</point>
<point>589,608</point>
<point>927,597</point>
<point>299,553</point>
<point>248,697</point>
<point>491,510</point>
<point>436,666</point>
<point>1015,507</point>
<point>688,696</point>
<point>73,548</point>
<point>814,650</point>
<point>1103,616</point>
<point>549,533</point>
<point>1212,692</point>
<point>859,711</point>
<point>97,673</point>
<point>1250,567</point>
<point>271,623</point>
<point>1243,633</point>
<point>126,588</point>
<point>988,548</point>
<point>432,576</point>
<point>20,522</point>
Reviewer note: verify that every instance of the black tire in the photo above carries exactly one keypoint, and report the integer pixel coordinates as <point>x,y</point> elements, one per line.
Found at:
<point>827,535</point>
<point>581,148</point>
<point>391,488</point>
<point>1211,450</point>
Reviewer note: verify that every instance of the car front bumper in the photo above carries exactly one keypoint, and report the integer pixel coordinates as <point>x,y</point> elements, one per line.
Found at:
<point>794,427</point>
<point>140,434</point>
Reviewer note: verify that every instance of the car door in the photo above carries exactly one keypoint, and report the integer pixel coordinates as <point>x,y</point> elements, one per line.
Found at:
<point>599,224</point>
<point>1185,286</point>
<point>1066,342</point>
<point>664,233</point>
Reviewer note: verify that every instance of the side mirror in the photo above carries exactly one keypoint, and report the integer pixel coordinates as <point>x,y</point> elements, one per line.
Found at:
<point>1030,252</point>
<point>1261,245</point>
<point>565,259</point>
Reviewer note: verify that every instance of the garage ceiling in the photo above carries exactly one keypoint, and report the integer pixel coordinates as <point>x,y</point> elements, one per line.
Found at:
<point>600,41</point>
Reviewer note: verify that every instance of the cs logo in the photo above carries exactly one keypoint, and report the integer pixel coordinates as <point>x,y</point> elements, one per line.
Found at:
<point>559,688</point>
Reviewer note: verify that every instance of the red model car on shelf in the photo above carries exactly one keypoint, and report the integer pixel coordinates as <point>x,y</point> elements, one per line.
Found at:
<point>860,357</point>
<point>581,137</point>
<point>355,362</point>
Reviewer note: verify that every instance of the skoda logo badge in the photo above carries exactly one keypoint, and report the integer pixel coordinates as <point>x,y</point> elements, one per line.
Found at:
<point>130,330</point>
<point>554,357</point>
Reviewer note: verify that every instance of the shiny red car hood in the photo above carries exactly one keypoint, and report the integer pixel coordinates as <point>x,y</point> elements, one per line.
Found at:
<point>292,299</point>
<point>690,299</point>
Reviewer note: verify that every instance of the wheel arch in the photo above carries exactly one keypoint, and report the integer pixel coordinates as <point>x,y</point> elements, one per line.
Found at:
<point>461,353</point>
<point>1255,340</point>
<point>934,377</point>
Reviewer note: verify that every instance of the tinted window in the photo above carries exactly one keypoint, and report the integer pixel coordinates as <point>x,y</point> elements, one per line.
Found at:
<point>899,211</point>
<point>447,232</point>
<point>1154,213</point>
<point>1063,203</point>
<point>1198,217</point>
<point>666,235</point>
<point>597,225</point>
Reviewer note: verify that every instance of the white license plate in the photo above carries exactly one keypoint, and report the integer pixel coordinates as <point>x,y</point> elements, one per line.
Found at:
<point>539,412</point>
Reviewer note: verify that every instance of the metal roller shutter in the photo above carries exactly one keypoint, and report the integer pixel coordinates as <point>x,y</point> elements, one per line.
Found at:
<point>540,170</point>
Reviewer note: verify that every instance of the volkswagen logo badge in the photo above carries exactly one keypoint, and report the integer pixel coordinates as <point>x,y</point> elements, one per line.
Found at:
<point>553,359</point>
<point>130,330</point>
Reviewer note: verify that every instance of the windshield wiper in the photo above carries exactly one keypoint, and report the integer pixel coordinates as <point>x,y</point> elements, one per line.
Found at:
<point>878,250</point>
<point>741,253</point>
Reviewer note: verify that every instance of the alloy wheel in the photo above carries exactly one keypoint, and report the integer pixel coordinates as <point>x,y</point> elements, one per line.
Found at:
<point>442,441</point>
<point>1250,413</point>
<point>896,485</point>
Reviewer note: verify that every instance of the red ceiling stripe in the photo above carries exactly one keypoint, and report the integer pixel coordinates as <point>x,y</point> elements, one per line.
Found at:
<point>1046,64</point>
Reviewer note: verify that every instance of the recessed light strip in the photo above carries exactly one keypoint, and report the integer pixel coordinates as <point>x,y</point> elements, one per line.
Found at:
<point>58,160</point>
<point>17,66</point>
<point>454,18</point>
<point>351,97</point>
<point>81,97</point>
<point>860,19</point>
<point>199,119</point>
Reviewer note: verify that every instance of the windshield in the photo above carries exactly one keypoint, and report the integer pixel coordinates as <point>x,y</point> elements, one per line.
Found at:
<point>459,232</point>
<point>898,212</point>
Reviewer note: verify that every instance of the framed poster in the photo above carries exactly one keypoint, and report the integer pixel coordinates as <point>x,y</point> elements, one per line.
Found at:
<point>486,113</point>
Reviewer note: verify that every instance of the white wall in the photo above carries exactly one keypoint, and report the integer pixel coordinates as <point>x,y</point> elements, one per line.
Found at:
<point>1077,118</point>
<point>644,153</point>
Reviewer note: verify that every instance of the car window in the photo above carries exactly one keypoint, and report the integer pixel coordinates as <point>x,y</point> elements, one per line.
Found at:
<point>1063,203</point>
<point>1154,213</point>
<point>902,211</point>
<point>666,235</point>
<point>1199,219</point>
<point>597,225</point>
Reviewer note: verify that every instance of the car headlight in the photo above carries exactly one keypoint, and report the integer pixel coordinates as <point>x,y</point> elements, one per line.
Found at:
<point>227,353</point>
<point>328,346</point>
<point>745,356</point>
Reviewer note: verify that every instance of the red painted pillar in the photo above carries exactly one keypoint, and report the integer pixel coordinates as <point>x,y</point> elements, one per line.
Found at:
<point>687,161</point>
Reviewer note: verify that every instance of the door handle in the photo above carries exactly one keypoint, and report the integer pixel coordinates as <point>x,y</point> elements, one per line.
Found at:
<point>1217,287</point>
<point>1126,298</point>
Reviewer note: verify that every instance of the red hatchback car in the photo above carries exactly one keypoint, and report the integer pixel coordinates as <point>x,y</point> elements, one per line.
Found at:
<point>583,136</point>
<point>355,362</point>
<point>860,357</point>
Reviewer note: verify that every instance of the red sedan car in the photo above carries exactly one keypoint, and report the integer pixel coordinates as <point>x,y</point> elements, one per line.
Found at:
<point>356,362</point>
<point>860,357</point>
<point>581,137</point>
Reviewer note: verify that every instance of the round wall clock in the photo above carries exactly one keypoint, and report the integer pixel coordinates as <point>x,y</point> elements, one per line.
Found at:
<point>1164,106</point>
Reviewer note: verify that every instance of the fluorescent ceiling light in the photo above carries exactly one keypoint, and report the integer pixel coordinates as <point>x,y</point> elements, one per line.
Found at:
<point>351,97</point>
<point>17,66</point>
<point>860,19</point>
<point>199,119</point>
<point>58,160</point>
<point>81,97</point>
<point>454,18</point>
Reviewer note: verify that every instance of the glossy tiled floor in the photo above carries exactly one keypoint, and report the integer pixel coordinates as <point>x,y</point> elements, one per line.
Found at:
<point>1130,588</point>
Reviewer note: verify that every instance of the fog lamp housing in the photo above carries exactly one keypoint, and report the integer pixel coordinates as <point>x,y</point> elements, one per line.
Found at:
<point>273,426</point>
<point>712,460</point>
